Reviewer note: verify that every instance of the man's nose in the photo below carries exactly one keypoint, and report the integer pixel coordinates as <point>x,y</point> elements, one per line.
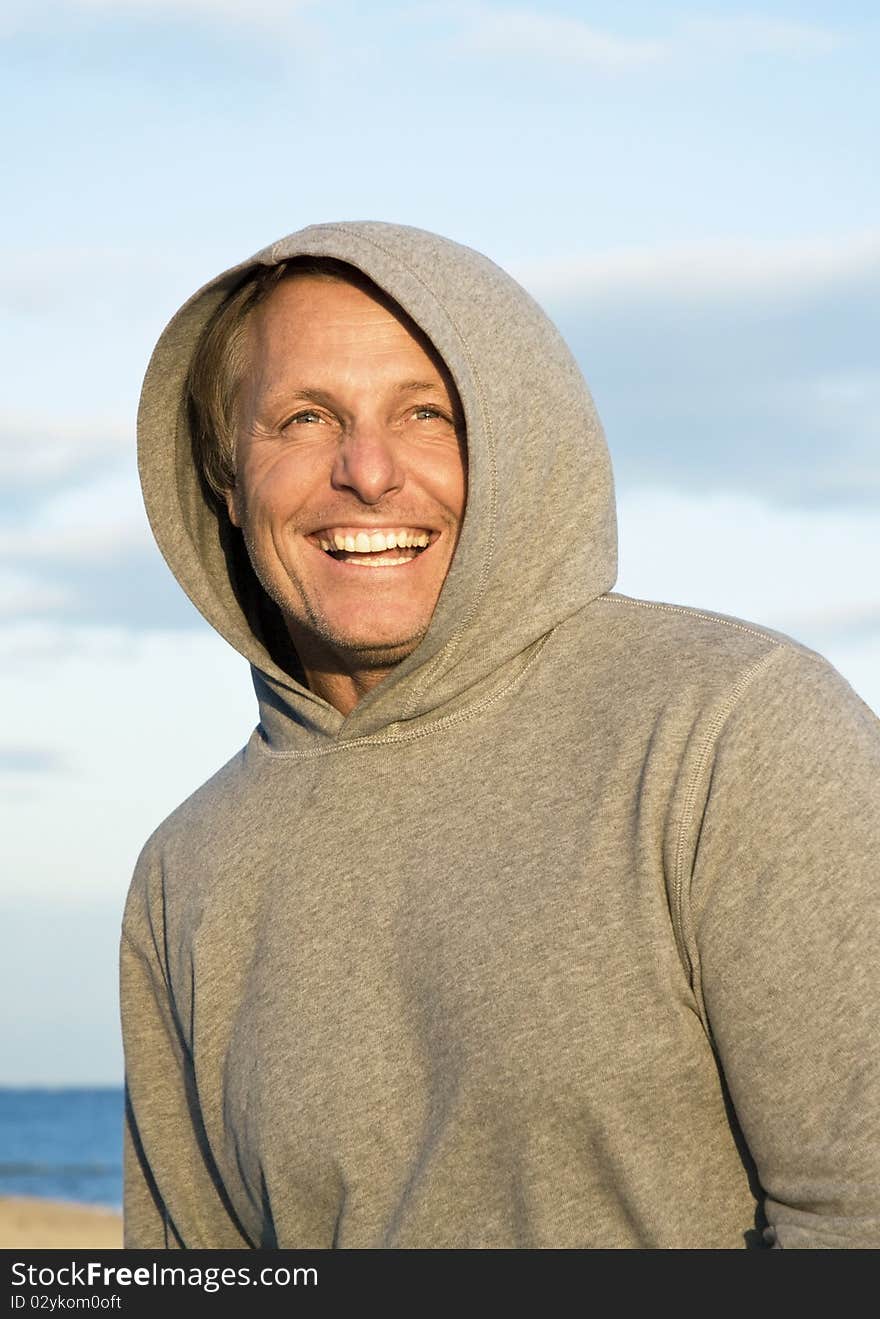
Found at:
<point>368,462</point>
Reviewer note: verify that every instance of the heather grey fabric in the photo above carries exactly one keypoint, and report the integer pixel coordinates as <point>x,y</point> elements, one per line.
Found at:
<point>565,937</point>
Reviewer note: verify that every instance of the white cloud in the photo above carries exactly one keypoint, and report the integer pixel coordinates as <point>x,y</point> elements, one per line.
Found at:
<point>538,35</point>
<point>739,268</point>
<point>22,593</point>
<point>277,16</point>
<point>554,36</point>
<point>26,760</point>
<point>84,552</point>
<point>841,399</point>
<point>212,8</point>
<point>36,449</point>
<point>35,645</point>
<point>505,31</point>
<point>756,34</point>
<point>808,572</point>
<point>100,516</point>
<point>48,267</point>
<point>103,280</point>
<point>274,14</point>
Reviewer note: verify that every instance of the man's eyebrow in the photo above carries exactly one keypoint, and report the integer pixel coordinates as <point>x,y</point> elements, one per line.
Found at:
<point>413,386</point>
<point>286,396</point>
<point>323,396</point>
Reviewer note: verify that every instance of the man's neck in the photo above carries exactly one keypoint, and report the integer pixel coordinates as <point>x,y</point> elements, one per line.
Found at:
<point>341,689</point>
<point>342,677</point>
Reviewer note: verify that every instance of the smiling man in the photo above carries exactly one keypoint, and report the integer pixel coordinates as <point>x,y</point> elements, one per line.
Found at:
<point>350,476</point>
<point>531,915</point>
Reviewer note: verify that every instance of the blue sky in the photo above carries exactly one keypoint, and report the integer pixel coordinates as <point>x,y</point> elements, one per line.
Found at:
<point>692,193</point>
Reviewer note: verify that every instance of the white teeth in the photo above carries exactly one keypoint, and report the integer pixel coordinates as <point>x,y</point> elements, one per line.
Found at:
<point>373,542</point>
<point>387,561</point>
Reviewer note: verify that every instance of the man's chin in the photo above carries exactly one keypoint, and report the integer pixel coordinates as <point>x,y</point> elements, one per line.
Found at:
<point>364,655</point>
<point>332,651</point>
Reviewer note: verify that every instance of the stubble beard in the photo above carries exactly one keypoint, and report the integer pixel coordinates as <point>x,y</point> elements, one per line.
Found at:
<point>313,637</point>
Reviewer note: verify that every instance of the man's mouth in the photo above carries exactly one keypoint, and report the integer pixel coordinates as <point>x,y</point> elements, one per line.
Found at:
<point>374,548</point>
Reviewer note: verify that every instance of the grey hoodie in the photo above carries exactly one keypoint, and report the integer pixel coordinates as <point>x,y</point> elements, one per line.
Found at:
<point>565,936</point>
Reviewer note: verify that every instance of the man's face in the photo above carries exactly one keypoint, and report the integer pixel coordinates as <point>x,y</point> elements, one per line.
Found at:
<point>351,471</point>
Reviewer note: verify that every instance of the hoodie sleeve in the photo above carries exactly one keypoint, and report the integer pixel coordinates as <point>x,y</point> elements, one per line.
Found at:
<point>785,924</point>
<point>169,1173</point>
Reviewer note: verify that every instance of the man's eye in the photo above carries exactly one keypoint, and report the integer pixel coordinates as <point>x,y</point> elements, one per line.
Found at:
<point>426,413</point>
<point>306,416</point>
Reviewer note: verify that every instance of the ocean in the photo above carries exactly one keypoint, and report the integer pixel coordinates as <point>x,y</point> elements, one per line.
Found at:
<point>62,1144</point>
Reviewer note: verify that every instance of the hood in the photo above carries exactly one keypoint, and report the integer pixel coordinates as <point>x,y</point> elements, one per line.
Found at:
<point>538,540</point>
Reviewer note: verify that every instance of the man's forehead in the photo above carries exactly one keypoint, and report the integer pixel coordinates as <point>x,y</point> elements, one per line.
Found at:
<point>305,309</point>
<point>305,313</point>
<point>329,296</point>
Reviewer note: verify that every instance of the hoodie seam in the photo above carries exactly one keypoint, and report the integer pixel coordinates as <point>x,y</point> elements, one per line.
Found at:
<point>681,913</point>
<point>449,648</point>
<point>691,613</point>
<point>448,721</point>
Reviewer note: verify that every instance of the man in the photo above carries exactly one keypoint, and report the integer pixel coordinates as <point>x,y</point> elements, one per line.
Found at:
<point>531,914</point>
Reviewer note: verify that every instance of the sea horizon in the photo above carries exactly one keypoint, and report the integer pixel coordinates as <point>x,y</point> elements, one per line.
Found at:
<point>62,1143</point>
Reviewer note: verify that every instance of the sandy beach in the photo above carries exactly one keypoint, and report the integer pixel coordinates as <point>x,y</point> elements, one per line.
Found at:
<point>31,1224</point>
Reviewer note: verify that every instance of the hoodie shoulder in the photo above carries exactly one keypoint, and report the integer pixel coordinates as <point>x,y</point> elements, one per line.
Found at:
<point>168,859</point>
<point>652,660</point>
<point>693,620</point>
<point>661,633</point>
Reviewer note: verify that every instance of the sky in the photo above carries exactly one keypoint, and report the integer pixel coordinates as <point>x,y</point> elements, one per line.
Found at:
<point>690,191</point>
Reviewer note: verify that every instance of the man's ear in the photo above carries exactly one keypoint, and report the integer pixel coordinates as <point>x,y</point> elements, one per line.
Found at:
<point>231,509</point>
